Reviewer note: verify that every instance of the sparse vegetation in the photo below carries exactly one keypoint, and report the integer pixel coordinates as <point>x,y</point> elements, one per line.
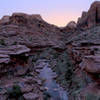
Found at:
<point>14,92</point>
<point>2,42</point>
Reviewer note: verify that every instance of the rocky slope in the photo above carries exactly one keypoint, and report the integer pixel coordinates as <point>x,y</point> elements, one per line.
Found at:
<point>84,52</point>
<point>28,44</point>
<point>25,40</point>
<point>30,30</point>
<point>91,17</point>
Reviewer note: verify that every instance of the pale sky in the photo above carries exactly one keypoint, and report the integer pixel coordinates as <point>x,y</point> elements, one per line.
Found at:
<point>58,12</point>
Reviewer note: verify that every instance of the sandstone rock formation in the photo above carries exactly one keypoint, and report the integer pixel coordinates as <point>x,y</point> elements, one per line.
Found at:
<point>5,20</point>
<point>30,30</point>
<point>91,64</point>
<point>71,25</point>
<point>90,18</point>
<point>7,51</point>
<point>27,42</point>
<point>4,58</point>
<point>86,60</point>
<point>23,40</point>
<point>20,18</point>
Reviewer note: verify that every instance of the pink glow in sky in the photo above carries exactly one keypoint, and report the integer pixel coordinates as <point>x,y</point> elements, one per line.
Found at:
<point>58,12</point>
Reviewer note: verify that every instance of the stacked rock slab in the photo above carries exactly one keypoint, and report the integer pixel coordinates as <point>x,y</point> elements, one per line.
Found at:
<point>90,18</point>
<point>91,64</point>
<point>7,51</point>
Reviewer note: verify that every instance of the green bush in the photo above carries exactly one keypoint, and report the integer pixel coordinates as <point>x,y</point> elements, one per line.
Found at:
<point>14,92</point>
<point>2,42</point>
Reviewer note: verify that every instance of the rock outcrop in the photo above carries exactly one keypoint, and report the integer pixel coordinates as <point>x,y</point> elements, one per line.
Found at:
<point>27,42</point>
<point>5,19</point>
<point>91,64</point>
<point>86,60</point>
<point>30,30</point>
<point>24,19</point>
<point>24,39</point>
<point>20,18</point>
<point>90,18</point>
<point>11,56</point>
<point>15,50</point>
<point>70,27</point>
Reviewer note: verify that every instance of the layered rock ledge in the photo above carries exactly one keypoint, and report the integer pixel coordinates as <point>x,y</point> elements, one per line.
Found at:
<point>7,51</point>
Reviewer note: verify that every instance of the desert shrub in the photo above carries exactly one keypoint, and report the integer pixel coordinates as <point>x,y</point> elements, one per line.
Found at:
<point>14,92</point>
<point>2,42</point>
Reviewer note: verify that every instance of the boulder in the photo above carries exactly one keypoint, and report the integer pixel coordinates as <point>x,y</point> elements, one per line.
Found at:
<point>20,70</point>
<point>71,25</point>
<point>26,88</point>
<point>91,64</point>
